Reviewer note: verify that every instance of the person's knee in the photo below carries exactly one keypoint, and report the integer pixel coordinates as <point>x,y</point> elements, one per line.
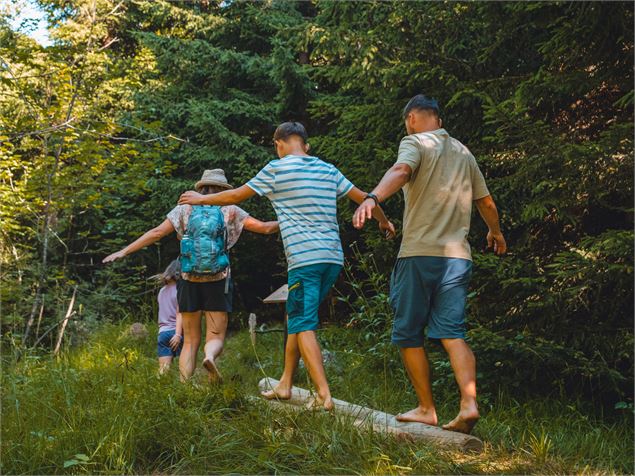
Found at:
<point>306,337</point>
<point>191,342</point>
<point>405,336</point>
<point>451,342</point>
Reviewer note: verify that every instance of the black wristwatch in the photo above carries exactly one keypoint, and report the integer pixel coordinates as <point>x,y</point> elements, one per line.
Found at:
<point>373,197</point>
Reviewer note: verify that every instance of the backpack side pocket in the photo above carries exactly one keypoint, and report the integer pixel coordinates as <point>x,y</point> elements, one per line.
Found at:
<point>187,254</point>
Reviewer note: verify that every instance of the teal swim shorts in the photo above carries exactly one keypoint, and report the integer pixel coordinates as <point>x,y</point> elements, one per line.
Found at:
<point>429,292</point>
<point>308,286</point>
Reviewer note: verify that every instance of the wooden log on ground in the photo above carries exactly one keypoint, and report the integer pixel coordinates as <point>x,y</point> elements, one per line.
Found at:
<point>382,422</point>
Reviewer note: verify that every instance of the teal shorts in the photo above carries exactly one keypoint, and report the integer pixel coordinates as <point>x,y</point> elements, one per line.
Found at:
<point>429,292</point>
<point>308,286</point>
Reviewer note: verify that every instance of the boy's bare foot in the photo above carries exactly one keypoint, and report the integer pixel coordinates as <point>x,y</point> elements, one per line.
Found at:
<point>213,374</point>
<point>277,393</point>
<point>464,421</point>
<point>419,415</point>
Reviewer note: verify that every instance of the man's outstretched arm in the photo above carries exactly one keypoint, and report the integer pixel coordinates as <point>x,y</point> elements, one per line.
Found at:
<point>228,197</point>
<point>393,180</point>
<point>487,209</point>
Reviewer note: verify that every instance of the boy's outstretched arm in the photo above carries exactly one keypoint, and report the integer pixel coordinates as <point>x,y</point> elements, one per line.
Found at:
<point>393,180</point>
<point>385,225</point>
<point>228,197</point>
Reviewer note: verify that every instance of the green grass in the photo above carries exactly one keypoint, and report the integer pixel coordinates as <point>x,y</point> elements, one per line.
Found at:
<point>102,408</point>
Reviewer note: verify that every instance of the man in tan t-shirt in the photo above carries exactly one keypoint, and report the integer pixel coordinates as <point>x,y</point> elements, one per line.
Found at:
<point>440,180</point>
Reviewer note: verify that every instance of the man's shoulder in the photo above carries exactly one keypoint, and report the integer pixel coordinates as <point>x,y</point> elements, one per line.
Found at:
<point>411,140</point>
<point>460,148</point>
<point>429,138</point>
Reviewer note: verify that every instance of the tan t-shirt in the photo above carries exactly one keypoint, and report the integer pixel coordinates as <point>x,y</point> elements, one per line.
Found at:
<point>445,180</point>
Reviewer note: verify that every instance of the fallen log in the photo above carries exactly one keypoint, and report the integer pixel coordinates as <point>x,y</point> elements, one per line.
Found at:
<point>381,421</point>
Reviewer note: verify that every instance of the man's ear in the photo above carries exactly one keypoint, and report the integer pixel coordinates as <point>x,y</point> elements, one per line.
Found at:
<point>411,119</point>
<point>307,147</point>
<point>440,122</point>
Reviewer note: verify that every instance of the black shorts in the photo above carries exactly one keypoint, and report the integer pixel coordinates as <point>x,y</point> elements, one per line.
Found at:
<point>208,296</point>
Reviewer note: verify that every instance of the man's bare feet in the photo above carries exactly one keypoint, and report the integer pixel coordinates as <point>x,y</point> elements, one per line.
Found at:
<point>277,393</point>
<point>419,415</point>
<point>213,373</point>
<point>464,421</point>
<point>318,403</point>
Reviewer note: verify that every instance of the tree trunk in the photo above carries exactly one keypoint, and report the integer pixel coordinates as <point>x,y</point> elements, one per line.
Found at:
<point>69,312</point>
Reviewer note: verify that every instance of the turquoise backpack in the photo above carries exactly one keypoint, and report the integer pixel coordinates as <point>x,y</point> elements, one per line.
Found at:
<point>204,242</point>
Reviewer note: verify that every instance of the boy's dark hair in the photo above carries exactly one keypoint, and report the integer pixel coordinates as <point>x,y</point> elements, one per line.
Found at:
<point>421,102</point>
<point>288,129</point>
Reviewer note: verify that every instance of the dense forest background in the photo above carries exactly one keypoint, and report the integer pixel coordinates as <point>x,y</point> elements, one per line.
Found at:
<point>102,130</point>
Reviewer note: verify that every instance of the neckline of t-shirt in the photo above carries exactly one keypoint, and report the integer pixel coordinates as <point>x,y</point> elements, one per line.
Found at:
<point>304,157</point>
<point>440,131</point>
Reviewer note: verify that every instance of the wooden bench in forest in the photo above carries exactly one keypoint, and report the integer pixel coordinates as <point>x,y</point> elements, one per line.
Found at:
<point>380,421</point>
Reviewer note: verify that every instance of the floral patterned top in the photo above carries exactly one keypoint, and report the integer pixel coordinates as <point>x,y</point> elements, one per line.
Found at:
<point>234,219</point>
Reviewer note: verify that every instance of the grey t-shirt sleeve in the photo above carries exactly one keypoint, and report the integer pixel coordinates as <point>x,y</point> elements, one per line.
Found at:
<point>409,152</point>
<point>479,187</point>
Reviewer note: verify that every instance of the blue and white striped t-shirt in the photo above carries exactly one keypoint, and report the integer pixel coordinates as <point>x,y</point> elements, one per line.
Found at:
<point>303,192</point>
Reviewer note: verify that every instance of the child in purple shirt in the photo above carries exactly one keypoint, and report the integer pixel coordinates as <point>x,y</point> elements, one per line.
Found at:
<point>170,337</point>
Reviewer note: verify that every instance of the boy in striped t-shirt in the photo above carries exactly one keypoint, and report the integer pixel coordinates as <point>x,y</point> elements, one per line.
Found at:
<point>303,191</point>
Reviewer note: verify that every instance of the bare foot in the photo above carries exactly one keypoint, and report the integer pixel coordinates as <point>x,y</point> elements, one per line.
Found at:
<point>419,415</point>
<point>464,421</point>
<point>277,393</point>
<point>318,403</point>
<point>213,374</point>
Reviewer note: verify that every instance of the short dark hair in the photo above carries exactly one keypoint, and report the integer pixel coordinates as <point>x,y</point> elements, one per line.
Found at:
<point>421,102</point>
<point>288,129</point>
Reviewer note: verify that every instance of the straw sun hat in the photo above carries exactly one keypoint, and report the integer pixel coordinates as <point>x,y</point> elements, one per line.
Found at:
<point>213,177</point>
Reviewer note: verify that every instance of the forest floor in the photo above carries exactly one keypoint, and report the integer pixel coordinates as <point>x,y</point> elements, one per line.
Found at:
<point>102,408</point>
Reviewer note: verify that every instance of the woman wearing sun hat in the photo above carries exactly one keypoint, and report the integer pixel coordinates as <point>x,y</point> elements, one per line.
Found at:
<point>197,295</point>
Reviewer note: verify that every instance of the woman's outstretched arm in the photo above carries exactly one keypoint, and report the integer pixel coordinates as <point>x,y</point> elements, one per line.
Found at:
<point>262,227</point>
<point>149,237</point>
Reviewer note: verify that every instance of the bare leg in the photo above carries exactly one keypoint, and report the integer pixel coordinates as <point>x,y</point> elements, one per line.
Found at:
<point>216,328</point>
<point>464,366</point>
<point>191,341</point>
<point>312,356</point>
<point>416,362</point>
<point>164,364</point>
<point>282,391</point>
